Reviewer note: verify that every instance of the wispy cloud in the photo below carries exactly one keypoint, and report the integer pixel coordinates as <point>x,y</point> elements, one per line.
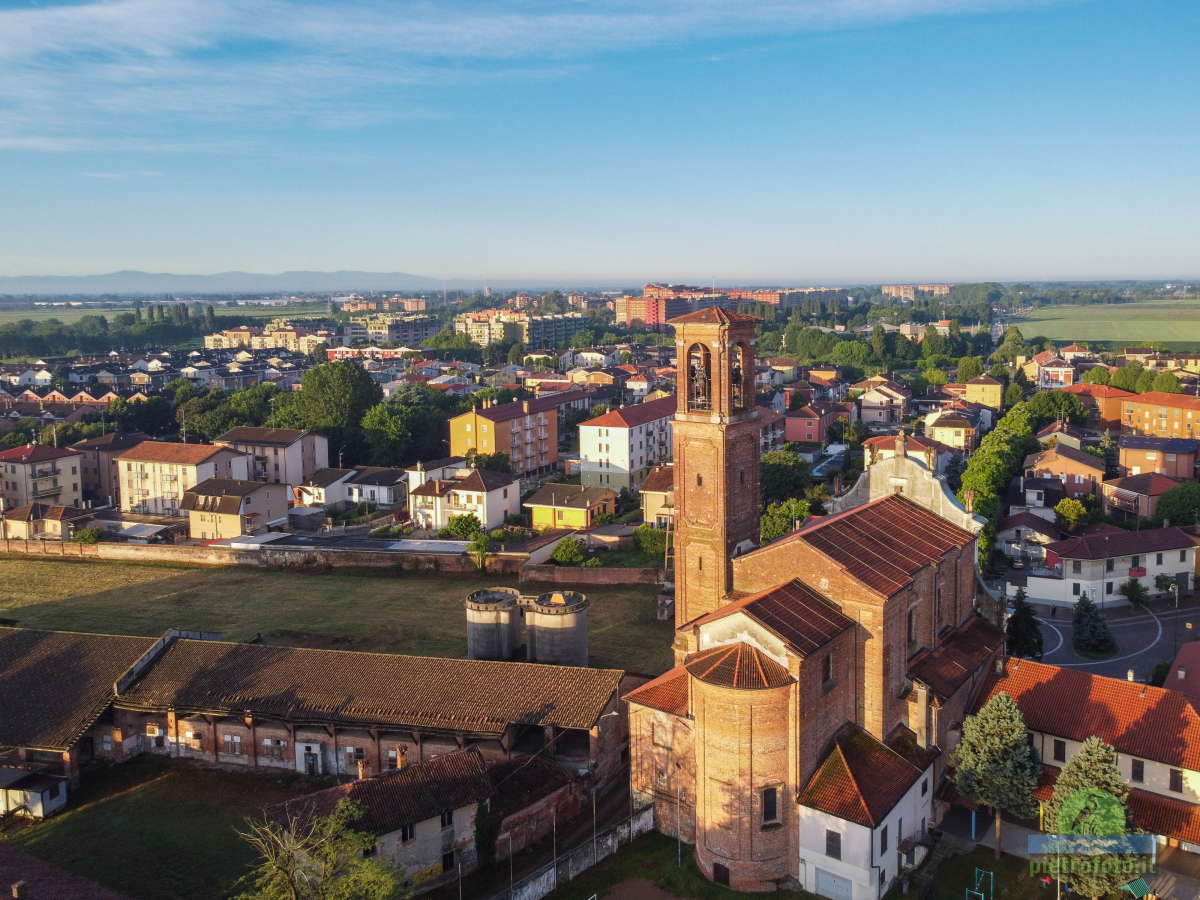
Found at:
<point>90,75</point>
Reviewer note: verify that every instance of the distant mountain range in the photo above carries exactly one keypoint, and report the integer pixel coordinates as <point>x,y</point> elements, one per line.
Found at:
<point>134,282</point>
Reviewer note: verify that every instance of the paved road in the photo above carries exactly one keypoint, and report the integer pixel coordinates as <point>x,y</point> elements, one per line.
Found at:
<point>1144,638</point>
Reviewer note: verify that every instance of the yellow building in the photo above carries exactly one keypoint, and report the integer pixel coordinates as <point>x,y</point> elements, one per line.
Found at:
<point>569,506</point>
<point>227,508</point>
<point>527,430</point>
<point>986,391</point>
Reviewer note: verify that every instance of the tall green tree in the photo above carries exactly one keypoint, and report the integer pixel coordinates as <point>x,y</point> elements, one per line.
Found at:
<point>1180,505</point>
<point>1071,513</point>
<point>782,518</point>
<point>1167,383</point>
<point>994,763</point>
<point>969,367</point>
<point>1090,629</point>
<point>1024,635</point>
<point>1013,394</point>
<point>783,474</point>
<point>336,395</point>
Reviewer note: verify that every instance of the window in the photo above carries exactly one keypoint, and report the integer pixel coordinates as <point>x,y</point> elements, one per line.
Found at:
<point>1158,560</point>
<point>1135,562</point>
<point>1075,589</point>
<point>1109,565</point>
<point>833,844</point>
<point>447,818</point>
<point>448,861</point>
<point>883,839</point>
<point>1177,781</point>
<point>924,787</point>
<point>1108,587</point>
<point>699,481</point>
<point>1076,567</point>
<point>1137,771</point>
<point>232,743</point>
<point>770,806</point>
<point>407,833</point>
<point>912,627</point>
<point>1183,556</point>
<point>827,670</point>
<point>1060,751</point>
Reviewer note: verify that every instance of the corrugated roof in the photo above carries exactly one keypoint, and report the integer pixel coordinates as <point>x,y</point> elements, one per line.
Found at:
<point>794,611</point>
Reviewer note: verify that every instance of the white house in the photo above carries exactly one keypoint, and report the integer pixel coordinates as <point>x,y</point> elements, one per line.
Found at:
<point>862,814</point>
<point>379,485</point>
<point>154,475</point>
<point>325,487</point>
<point>594,359</point>
<point>1099,564</point>
<point>489,496</point>
<point>618,449</point>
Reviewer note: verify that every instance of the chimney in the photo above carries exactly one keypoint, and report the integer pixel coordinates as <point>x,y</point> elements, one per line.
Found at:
<point>525,407</point>
<point>999,665</point>
<point>1129,675</point>
<point>362,769</point>
<point>969,500</point>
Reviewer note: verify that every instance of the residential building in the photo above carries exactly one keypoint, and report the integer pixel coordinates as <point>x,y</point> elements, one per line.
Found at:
<point>658,496</point>
<point>650,313</point>
<point>958,429</point>
<point>1061,434</point>
<point>489,496</point>
<point>1098,564</point>
<point>1079,471</point>
<point>900,291</point>
<point>490,326</point>
<point>573,506</point>
<point>772,428</point>
<point>527,430</point>
<point>326,488</point>
<point>98,464</point>
<point>1048,371</point>
<point>227,508</point>
<point>986,391</point>
<point>883,403</point>
<point>1175,457</point>
<point>278,455</point>
<point>35,473</point>
<point>40,521</point>
<point>1135,497</point>
<point>935,456</point>
<point>1161,415</point>
<point>154,475</point>
<point>1025,535</point>
<point>381,486</point>
<point>617,449</point>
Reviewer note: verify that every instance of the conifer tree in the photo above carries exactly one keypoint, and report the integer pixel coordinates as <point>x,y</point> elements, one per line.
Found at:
<point>1024,633</point>
<point>994,763</point>
<point>1091,634</point>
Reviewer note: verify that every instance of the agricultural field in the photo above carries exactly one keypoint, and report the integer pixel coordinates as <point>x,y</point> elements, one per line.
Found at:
<point>1176,323</point>
<point>395,613</point>
<point>68,314</point>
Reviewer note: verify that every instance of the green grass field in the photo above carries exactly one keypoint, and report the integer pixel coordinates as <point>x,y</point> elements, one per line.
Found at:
<point>1174,322</point>
<point>396,613</point>
<point>156,829</point>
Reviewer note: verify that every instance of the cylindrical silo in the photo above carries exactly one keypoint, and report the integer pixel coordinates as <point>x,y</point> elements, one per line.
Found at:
<point>493,623</point>
<point>556,629</point>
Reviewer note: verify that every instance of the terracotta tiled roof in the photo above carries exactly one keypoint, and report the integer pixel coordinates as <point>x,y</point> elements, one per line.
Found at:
<point>737,665</point>
<point>1045,461</point>
<point>401,797</point>
<point>502,412</point>
<point>372,688</point>
<point>1121,543</point>
<point>1185,671</point>
<point>167,452</point>
<point>111,441</point>
<point>36,512</point>
<point>55,684</point>
<point>713,315</point>
<point>1141,720</point>
<point>28,453</point>
<point>884,543</point>
<point>248,434</point>
<point>575,496</point>
<point>860,780</point>
<point>918,441</point>
<point>793,611</point>
<point>1151,484</point>
<point>1162,398</point>
<point>948,666</point>
<point>983,379</point>
<point>1101,391</point>
<point>635,414</point>
<point>1030,521</point>
<point>660,480</point>
<point>668,692</point>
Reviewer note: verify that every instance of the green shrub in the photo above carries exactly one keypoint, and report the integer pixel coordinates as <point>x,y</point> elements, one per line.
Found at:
<point>89,535</point>
<point>650,540</point>
<point>591,563</point>
<point>568,552</point>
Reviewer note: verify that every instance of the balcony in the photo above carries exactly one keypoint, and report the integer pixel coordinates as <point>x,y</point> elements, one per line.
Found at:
<point>44,473</point>
<point>50,490</point>
<point>1137,571</point>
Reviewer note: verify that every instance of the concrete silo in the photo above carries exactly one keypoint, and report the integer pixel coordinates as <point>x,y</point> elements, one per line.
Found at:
<point>556,626</point>
<point>494,623</point>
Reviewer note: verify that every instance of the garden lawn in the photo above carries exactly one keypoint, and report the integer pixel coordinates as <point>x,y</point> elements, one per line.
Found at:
<point>379,611</point>
<point>157,829</point>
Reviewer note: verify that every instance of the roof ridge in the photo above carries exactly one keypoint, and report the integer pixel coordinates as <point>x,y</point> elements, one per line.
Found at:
<point>858,794</point>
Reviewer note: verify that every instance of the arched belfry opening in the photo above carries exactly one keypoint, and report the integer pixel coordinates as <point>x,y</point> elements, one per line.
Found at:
<point>699,378</point>
<point>741,377</point>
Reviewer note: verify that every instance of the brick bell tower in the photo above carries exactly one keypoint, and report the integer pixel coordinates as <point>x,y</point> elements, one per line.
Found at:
<point>716,452</point>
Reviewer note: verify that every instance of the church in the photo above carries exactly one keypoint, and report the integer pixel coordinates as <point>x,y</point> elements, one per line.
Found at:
<point>799,739</point>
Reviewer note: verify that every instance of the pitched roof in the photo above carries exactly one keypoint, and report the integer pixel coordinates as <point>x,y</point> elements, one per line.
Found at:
<point>404,796</point>
<point>1101,391</point>
<point>576,496</point>
<point>502,412</point>
<point>793,611</point>
<point>668,692</point>
<point>634,414</point>
<point>1121,543</point>
<point>1046,458</point>
<point>1138,719</point>
<point>1163,444</point>
<point>860,780</point>
<point>1185,671</point>
<point>947,667</point>
<point>919,441</point>
<point>36,512</point>
<point>1031,522</point>
<point>882,543</point>
<point>737,665</point>
<point>983,379</point>
<point>479,696</point>
<point>55,684</point>
<point>111,441</point>
<point>29,453</point>
<point>169,452</point>
<point>437,464</point>
<point>712,315</point>
<point>380,475</point>
<point>326,477</point>
<point>484,480</point>
<point>221,495</point>
<point>1150,484</point>
<point>1162,398</point>
<point>660,480</point>
<point>248,434</point>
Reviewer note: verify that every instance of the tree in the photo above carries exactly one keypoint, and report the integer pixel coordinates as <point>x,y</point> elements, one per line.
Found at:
<point>1071,513</point>
<point>783,474</point>
<point>994,763</point>
<point>1126,376</point>
<point>1023,632</point>
<point>316,858</point>
<point>1167,383</point>
<point>969,367</point>
<point>463,527</point>
<point>336,395</point>
<point>650,540</point>
<point>516,354</point>
<point>387,432</point>
<point>1135,592</point>
<point>1013,394</point>
<point>1090,797</point>
<point>1091,634</point>
<point>782,518</point>
<point>1180,505</point>
<point>487,830</point>
<point>480,546</point>
<point>1097,375</point>
<point>568,552</point>
<point>1050,406</point>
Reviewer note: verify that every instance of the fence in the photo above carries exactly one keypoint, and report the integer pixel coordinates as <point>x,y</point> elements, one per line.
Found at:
<point>572,863</point>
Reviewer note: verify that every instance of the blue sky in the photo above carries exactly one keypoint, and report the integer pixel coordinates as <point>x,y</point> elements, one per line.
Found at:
<point>811,141</point>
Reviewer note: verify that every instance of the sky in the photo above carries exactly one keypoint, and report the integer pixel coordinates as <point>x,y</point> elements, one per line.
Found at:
<point>610,141</point>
